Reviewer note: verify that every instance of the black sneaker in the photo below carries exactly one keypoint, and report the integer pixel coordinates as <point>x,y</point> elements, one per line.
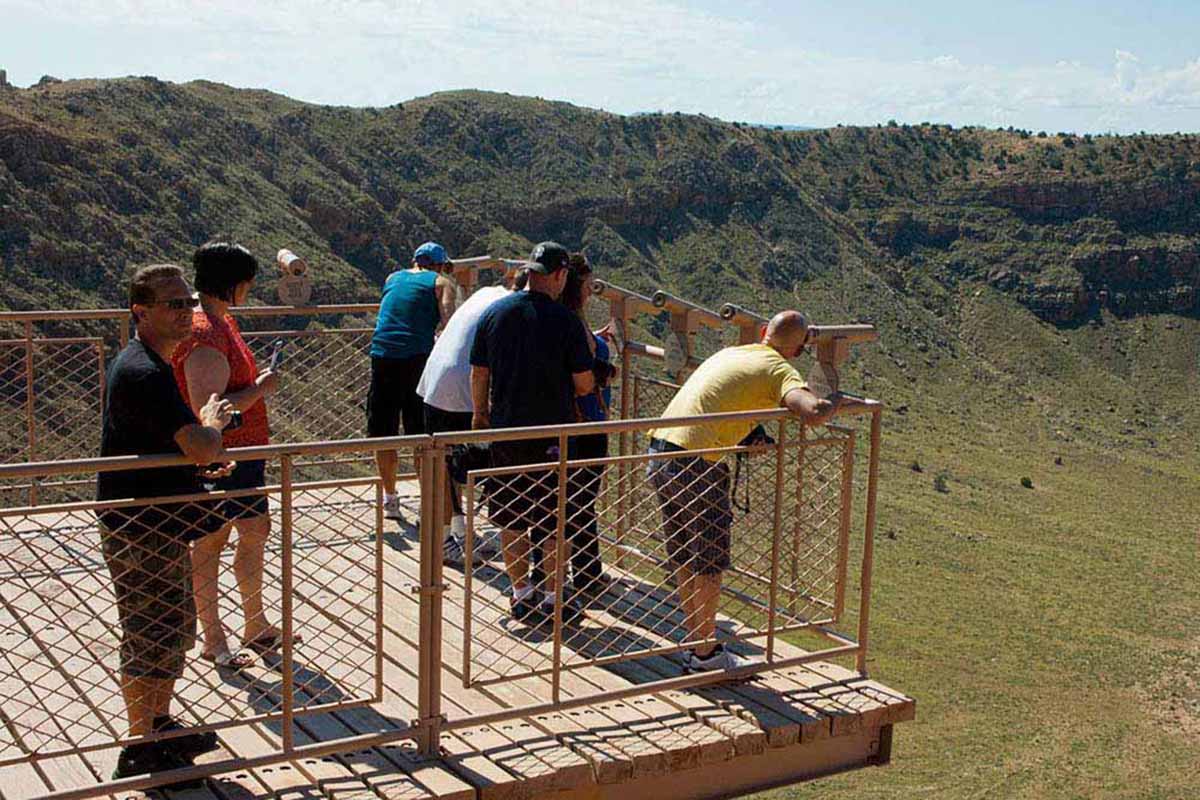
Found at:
<point>189,746</point>
<point>572,612</point>
<point>591,591</point>
<point>148,758</point>
<point>453,553</point>
<point>526,610</point>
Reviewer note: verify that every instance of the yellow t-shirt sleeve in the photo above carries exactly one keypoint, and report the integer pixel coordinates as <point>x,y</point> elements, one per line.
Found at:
<point>787,378</point>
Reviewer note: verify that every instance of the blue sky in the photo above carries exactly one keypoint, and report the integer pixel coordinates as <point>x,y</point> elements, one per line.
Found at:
<point>1056,65</point>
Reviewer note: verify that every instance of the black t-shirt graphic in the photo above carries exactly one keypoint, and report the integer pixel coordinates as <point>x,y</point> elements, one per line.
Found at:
<point>532,345</point>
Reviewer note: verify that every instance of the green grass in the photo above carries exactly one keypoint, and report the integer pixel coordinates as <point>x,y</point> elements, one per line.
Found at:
<point>1048,635</point>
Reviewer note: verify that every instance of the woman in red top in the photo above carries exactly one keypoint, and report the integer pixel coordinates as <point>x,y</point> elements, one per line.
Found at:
<point>216,360</point>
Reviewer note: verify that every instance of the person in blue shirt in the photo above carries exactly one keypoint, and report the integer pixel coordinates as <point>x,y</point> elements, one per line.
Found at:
<point>416,303</point>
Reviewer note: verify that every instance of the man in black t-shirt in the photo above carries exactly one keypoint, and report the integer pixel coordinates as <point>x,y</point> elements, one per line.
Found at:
<point>146,546</point>
<point>529,360</point>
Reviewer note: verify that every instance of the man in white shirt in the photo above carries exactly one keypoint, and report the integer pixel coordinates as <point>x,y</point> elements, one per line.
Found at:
<point>445,387</point>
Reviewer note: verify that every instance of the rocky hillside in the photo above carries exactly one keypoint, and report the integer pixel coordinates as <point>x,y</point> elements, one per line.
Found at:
<point>1089,246</point>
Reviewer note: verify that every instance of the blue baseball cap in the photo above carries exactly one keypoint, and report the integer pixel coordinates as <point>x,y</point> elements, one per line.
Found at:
<point>430,254</point>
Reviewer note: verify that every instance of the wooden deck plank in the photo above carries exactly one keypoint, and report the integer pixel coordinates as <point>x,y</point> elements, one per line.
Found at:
<point>520,692</point>
<point>609,741</point>
<point>818,714</point>
<point>781,728</point>
<point>747,738</point>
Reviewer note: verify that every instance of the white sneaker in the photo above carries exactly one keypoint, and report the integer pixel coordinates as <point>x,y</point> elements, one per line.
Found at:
<point>720,658</point>
<point>391,507</point>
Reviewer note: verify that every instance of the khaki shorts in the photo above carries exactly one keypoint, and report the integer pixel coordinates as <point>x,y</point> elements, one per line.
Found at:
<point>152,581</point>
<point>693,495</point>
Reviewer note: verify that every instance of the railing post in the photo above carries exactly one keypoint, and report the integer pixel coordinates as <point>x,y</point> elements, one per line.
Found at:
<point>560,567</point>
<point>776,534</point>
<point>432,477</point>
<point>469,579</point>
<point>101,379</point>
<point>378,591</point>
<point>864,605</point>
<point>798,528</point>
<point>624,438</point>
<point>286,587</point>
<point>847,498</point>
<point>30,393</point>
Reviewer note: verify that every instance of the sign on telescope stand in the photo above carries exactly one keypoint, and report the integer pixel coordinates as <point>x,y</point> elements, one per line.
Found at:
<point>295,285</point>
<point>675,355</point>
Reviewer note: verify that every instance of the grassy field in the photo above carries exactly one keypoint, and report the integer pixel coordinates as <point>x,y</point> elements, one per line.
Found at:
<point>1048,634</point>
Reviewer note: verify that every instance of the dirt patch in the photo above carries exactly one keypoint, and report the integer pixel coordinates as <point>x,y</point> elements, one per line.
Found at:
<point>1174,696</point>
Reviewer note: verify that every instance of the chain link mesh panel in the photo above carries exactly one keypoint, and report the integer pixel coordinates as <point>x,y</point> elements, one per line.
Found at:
<point>759,535</point>
<point>92,592</point>
<point>14,386</point>
<point>59,418</point>
<point>324,379</point>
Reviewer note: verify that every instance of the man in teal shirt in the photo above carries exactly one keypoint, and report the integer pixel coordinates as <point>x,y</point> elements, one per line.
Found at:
<point>416,303</point>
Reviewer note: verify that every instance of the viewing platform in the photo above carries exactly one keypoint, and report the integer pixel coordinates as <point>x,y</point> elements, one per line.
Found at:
<point>400,677</point>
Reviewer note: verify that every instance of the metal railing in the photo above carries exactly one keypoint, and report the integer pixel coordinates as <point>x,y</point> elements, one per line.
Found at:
<point>66,603</point>
<point>52,383</point>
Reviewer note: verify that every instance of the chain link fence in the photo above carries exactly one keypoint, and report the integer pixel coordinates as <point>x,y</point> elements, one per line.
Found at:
<point>96,596</point>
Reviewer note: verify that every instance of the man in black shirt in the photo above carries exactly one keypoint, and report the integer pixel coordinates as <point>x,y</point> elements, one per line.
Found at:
<point>146,546</point>
<point>529,360</point>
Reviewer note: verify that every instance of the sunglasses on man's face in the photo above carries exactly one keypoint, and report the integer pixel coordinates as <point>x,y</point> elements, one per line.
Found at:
<point>178,303</point>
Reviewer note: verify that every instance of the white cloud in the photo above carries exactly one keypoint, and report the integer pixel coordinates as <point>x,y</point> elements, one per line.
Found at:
<point>1126,71</point>
<point>660,54</point>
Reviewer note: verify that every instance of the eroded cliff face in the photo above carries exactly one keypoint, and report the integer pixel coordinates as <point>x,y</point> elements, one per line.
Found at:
<point>1065,248</point>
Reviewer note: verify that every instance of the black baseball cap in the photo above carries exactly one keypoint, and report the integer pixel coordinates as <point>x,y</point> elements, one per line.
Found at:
<point>548,258</point>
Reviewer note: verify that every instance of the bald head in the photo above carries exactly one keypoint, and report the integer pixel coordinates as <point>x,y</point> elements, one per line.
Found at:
<point>786,332</point>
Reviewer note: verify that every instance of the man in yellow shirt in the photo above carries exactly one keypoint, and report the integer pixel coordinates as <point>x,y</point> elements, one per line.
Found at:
<point>693,491</point>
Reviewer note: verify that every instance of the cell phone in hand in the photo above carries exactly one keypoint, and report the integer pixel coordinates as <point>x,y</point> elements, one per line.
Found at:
<point>235,421</point>
<point>276,354</point>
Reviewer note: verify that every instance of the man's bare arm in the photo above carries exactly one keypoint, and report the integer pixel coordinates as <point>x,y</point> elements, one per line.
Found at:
<point>803,403</point>
<point>481,378</point>
<point>202,443</point>
<point>444,290</point>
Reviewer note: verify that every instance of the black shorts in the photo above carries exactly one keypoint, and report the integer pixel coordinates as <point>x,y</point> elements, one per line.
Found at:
<point>246,475</point>
<point>693,495</point>
<point>152,582</point>
<point>525,501</point>
<point>393,396</point>
<point>439,421</point>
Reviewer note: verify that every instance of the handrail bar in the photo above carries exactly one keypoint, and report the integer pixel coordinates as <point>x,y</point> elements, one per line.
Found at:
<point>852,405</point>
<point>244,311</point>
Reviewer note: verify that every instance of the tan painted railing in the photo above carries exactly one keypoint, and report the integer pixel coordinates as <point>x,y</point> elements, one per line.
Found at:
<point>328,556</point>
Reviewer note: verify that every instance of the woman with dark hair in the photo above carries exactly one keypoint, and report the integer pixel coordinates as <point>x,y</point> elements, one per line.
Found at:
<point>587,573</point>
<point>216,360</point>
